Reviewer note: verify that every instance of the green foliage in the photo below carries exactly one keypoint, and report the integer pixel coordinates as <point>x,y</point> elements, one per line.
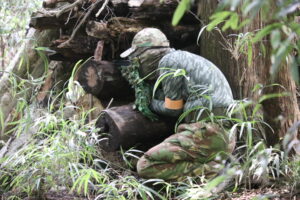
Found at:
<point>183,6</point>
<point>281,28</point>
<point>64,154</point>
<point>170,72</point>
<point>12,26</point>
<point>142,89</point>
<point>279,15</point>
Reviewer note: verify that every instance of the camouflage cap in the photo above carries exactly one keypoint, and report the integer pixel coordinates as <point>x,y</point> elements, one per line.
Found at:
<point>148,37</point>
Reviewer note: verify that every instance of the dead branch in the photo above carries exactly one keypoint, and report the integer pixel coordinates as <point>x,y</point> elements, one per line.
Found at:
<point>52,3</point>
<point>102,8</point>
<point>89,12</point>
<point>68,8</point>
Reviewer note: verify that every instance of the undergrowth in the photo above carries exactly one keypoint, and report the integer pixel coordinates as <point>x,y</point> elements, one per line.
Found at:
<point>63,155</point>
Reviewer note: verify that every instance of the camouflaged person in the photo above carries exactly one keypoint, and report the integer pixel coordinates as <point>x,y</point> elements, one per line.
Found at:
<point>190,82</point>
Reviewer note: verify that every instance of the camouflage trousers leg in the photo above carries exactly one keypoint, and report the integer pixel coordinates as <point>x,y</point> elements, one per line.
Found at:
<point>197,149</point>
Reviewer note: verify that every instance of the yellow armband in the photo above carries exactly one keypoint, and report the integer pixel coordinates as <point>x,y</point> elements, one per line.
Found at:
<point>173,104</point>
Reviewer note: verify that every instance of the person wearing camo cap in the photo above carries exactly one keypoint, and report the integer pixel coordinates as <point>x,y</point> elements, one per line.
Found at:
<point>188,82</point>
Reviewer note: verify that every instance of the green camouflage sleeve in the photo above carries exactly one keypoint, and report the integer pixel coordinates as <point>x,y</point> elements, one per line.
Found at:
<point>158,106</point>
<point>172,88</point>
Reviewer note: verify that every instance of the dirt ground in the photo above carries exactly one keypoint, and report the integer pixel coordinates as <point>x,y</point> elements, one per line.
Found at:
<point>263,194</point>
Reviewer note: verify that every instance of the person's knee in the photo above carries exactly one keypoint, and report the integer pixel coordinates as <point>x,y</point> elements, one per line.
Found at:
<point>142,166</point>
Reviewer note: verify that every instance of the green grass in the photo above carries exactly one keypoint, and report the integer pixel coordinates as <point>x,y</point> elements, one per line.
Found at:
<point>63,155</point>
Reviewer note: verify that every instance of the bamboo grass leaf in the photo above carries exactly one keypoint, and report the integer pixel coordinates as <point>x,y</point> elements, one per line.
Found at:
<point>183,6</point>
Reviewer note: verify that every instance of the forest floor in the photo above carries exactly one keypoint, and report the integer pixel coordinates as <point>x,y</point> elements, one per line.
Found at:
<point>269,193</point>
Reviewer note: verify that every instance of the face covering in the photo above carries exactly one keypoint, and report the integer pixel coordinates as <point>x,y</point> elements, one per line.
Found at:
<point>149,60</point>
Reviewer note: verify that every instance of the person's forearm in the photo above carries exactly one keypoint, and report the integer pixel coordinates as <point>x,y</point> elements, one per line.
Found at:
<point>159,107</point>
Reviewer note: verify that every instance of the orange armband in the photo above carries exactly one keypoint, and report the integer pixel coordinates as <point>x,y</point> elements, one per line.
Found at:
<point>173,104</point>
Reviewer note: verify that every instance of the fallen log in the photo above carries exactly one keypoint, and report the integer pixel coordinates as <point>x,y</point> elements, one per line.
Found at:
<point>81,47</point>
<point>125,127</point>
<point>42,21</point>
<point>53,3</point>
<point>104,80</point>
<point>119,31</point>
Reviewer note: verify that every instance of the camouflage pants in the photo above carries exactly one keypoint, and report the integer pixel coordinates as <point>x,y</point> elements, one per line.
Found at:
<point>190,152</point>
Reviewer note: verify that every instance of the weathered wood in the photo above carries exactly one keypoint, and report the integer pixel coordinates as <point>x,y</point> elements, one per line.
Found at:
<point>153,11</point>
<point>156,11</point>
<point>97,29</point>
<point>125,127</point>
<point>26,62</point>
<point>42,96</point>
<point>104,80</point>
<point>43,21</point>
<point>120,30</point>
<point>57,75</point>
<point>99,51</point>
<point>52,3</point>
<point>81,47</point>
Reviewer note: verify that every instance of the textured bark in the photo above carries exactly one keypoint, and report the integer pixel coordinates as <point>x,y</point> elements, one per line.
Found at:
<point>81,47</point>
<point>124,127</point>
<point>280,113</point>
<point>104,80</point>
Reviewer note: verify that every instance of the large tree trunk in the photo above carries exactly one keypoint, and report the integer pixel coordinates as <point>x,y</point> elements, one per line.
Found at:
<point>280,113</point>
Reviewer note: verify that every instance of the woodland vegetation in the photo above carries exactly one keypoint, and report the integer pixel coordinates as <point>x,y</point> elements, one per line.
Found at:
<point>64,98</point>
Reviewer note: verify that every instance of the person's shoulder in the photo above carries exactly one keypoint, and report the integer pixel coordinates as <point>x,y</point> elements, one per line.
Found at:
<point>181,54</point>
<point>175,56</point>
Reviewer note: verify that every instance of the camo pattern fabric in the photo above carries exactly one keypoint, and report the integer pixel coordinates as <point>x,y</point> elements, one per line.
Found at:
<point>197,149</point>
<point>202,84</point>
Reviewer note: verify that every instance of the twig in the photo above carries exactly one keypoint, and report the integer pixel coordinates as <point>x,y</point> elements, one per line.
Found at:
<point>109,104</point>
<point>66,43</point>
<point>68,7</point>
<point>102,8</point>
<point>91,102</point>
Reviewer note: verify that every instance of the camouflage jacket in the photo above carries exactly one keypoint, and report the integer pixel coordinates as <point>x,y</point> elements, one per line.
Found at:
<point>201,83</point>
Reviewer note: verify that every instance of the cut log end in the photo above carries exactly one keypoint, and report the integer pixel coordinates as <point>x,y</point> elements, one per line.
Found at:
<point>103,79</point>
<point>125,127</point>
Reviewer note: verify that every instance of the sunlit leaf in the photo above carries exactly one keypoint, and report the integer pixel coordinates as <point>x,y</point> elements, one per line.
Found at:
<point>265,31</point>
<point>253,7</point>
<point>280,55</point>
<point>218,18</point>
<point>183,6</point>
<point>275,39</point>
<point>232,22</point>
<point>271,96</point>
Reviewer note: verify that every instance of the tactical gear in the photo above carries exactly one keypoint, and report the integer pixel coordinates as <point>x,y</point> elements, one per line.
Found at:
<point>201,85</point>
<point>143,90</point>
<point>197,149</point>
<point>145,39</point>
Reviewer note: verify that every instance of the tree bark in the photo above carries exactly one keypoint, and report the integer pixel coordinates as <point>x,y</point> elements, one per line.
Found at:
<point>125,127</point>
<point>104,80</point>
<point>280,113</point>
